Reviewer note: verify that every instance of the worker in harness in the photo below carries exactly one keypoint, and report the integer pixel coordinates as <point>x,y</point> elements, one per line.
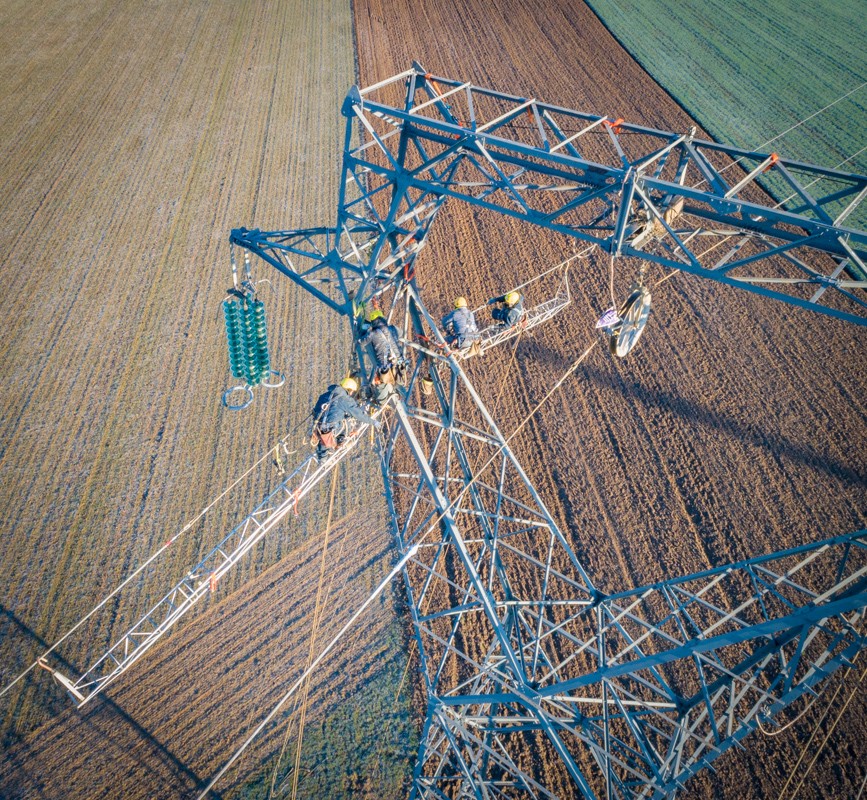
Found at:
<point>460,327</point>
<point>511,310</point>
<point>390,364</point>
<point>333,414</point>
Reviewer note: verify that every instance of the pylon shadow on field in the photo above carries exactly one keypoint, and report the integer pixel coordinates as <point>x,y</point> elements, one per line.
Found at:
<point>706,416</point>
<point>108,725</point>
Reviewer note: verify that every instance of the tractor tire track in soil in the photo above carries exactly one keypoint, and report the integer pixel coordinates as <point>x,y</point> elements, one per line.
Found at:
<point>253,645</point>
<point>735,428</point>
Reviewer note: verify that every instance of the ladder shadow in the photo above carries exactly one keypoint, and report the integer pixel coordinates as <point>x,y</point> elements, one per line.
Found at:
<point>704,415</point>
<point>101,721</point>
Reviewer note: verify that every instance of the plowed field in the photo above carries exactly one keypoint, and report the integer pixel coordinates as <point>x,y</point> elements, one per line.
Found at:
<point>738,425</point>
<point>135,135</point>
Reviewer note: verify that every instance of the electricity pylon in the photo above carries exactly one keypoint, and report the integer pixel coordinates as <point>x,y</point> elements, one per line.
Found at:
<point>525,663</point>
<point>522,658</point>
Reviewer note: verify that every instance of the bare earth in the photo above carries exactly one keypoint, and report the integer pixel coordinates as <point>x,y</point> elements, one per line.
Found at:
<point>135,136</point>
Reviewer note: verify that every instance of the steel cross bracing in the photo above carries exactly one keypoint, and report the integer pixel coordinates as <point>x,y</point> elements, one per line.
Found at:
<point>203,579</point>
<point>666,678</point>
<point>663,197</point>
<point>520,653</point>
<point>524,661</point>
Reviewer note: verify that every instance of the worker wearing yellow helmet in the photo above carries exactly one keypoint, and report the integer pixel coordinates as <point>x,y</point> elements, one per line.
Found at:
<point>510,310</point>
<point>384,341</point>
<point>460,326</point>
<point>334,413</point>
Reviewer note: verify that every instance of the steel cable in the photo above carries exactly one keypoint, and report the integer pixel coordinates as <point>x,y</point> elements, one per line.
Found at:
<point>376,592</point>
<point>815,731</point>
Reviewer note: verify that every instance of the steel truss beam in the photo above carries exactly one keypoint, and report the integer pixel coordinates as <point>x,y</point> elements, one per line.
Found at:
<point>202,579</point>
<point>663,197</point>
<point>520,654</point>
<point>524,661</point>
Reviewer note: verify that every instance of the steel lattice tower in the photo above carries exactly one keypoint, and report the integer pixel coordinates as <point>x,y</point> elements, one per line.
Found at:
<point>524,661</point>
<point>520,654</point>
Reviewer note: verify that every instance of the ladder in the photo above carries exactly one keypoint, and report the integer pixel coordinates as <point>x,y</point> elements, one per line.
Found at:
<point>497,334</point>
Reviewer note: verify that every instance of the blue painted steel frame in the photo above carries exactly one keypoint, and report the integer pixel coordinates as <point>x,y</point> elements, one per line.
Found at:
<point>504,664</point>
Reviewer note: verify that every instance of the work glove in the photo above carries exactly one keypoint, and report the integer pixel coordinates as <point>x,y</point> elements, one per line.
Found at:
<point>492,301</point>
<point>377,424</point>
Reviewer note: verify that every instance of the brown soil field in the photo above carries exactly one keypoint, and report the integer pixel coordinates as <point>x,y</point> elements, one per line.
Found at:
<point>166,728</point>
<point>737,427</point>
<point>136,135</point>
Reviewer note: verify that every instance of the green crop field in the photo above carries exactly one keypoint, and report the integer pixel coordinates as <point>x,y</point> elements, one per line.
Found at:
<point>756,74</point>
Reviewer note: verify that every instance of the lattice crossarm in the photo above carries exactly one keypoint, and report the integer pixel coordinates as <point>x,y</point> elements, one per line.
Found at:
<point>765,218</point>
<point>260,244</point>
<point>764,630</point>
<point>202,579</point>
<point>476,155</point>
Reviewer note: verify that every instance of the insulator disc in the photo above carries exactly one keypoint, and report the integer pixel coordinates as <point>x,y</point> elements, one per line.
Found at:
<point>633,314</point>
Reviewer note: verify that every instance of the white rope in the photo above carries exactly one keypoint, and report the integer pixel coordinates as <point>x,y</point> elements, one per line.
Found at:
<point>828,736</point>
<point>790,722</point>
<point>788,130</point>
<point>814,114</point>
<point>376,592</point>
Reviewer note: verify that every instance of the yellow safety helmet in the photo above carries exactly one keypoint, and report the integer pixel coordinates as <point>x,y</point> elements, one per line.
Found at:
<point>350,384</point>
<point>375,314</point>
<point>460,302</point>
<point>512,298</point>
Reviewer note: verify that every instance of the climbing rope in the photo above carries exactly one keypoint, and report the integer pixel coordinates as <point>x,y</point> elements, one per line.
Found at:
<point>863,784</point>
<point>502,386</point>
<point>828,735</point>
<point>317,618</point>
<point>326,650</point>
<point>329,593</point>
<point>314,629</point>
<point>321,603</point>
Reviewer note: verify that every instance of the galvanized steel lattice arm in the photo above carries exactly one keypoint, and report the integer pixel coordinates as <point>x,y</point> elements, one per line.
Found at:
<point>525,662</point>
<point>519,652</point>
